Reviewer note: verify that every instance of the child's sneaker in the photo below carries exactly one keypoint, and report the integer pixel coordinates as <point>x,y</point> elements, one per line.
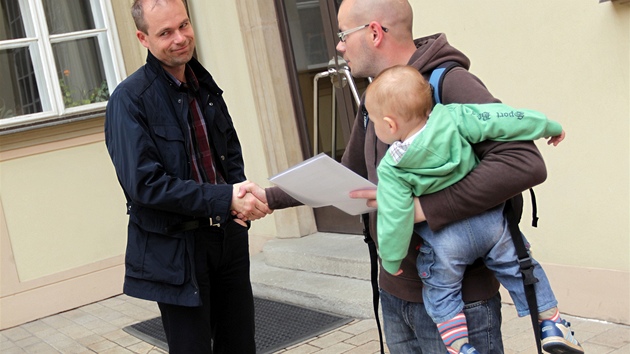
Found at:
<point>468,349</point>
<point>557,338</point>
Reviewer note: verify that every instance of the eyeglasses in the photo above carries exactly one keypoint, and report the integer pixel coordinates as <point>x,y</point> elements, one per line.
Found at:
<point>342,35</point>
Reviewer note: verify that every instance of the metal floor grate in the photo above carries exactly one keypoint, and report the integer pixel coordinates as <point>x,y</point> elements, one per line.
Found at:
<point>278,326</point>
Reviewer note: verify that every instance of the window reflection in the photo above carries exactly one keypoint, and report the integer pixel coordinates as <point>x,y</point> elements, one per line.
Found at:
<point>56,59</point>
<point>307,34</point>
<point>68,16</point>
<point>20,96</point>
<point>11,23</point>
<point>81,74</point>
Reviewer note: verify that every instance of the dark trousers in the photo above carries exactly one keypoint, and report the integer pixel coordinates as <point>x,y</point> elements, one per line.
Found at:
<point>225,322</point>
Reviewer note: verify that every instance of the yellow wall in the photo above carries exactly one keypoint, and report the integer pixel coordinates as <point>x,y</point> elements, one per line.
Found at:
<point>60,209</point>
<point>62,225</point>
<point>571,60</point>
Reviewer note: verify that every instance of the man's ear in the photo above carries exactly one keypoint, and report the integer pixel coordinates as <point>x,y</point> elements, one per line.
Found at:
<point>377,33</point>
<point>142,37</point>
<point>391,122</point>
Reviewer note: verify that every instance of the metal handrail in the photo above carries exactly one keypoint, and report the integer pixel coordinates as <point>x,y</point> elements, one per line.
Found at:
<point>346,78</point>
<point>353,87</point>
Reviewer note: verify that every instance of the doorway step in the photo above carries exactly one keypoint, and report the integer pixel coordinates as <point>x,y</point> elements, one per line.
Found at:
<point>324,271</point>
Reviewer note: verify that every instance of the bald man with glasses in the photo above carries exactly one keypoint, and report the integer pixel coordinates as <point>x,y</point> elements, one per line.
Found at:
<point>376,35</point>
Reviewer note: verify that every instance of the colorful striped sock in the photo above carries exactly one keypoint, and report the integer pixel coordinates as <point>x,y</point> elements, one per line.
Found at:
<point>553,314</point>
<point>454,332</point>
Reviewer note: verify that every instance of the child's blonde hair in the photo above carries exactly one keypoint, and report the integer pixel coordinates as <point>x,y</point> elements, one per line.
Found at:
<point>401,91</point>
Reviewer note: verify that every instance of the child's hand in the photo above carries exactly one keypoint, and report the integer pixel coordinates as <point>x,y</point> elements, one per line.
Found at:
<point>399,272</point>
<point>555,140</point>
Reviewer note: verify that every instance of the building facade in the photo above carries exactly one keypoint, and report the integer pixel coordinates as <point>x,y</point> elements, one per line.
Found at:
<point>62,214</point>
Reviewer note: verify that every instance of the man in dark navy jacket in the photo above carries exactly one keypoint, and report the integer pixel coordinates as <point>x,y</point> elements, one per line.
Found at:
<point>178,160</point>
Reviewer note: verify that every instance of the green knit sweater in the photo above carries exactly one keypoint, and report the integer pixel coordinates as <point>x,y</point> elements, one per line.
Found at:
<point>440,156</point>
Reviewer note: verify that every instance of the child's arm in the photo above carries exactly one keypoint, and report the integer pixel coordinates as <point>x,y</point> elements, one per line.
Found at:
<point>395,217</point>
<point>499,122</point>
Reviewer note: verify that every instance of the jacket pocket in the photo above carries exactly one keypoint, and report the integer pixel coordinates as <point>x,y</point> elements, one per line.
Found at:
<point>168,132</point>
<point>170,142</point>
<point>155,257</point>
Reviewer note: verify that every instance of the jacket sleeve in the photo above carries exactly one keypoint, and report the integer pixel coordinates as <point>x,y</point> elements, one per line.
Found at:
<point>395,216</point>
<point>226,134</point>
<point>505,169</point>
<point>354,156</point>
<point>139,164</point>
<point>279,199</point>
<point>495,121</point>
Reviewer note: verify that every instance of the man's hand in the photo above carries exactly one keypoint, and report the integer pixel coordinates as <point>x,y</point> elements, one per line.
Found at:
<point>247,206</point>
<point>253,188</point>
<point>555,140</point>
<point>370,195</point>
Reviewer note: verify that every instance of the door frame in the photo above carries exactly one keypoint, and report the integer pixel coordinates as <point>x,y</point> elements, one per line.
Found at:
<point>328,219</point>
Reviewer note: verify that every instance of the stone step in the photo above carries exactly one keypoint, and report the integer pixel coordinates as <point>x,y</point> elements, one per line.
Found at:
<point>323,271</point>
<point>326,253</point>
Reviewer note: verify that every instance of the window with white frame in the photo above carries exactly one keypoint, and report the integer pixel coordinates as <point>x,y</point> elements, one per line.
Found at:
<point>57,58</point>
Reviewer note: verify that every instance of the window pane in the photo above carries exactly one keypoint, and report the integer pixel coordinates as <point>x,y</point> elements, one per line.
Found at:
<point>11,24</point>
<point>81,74</point>
<point>307,33</point>
<point>65,16</point>
<point>20,95</point>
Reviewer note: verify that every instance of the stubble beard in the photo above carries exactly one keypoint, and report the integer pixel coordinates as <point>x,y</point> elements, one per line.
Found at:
<point>182,58</point>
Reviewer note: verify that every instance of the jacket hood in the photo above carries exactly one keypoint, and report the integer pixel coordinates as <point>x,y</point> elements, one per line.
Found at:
<point>434,50</point>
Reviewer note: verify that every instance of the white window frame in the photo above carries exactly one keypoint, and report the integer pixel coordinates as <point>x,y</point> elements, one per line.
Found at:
<point>40,44</point>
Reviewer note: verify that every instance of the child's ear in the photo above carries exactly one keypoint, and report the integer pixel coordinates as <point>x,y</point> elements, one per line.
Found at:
<point>391,122</point>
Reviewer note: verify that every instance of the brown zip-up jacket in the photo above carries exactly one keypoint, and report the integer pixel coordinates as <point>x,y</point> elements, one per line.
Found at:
<point>506,169</point>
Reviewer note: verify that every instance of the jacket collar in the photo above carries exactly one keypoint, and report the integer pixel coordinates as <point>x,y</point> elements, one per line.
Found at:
<point>205,79</point>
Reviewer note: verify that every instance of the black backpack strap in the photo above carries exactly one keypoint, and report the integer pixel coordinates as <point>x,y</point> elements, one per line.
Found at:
<point>526,268</point>
<point>437,77</point>
<point>367,238</point>
<point>534,208</point>
<point>366,117</point>
<point>524,260</point>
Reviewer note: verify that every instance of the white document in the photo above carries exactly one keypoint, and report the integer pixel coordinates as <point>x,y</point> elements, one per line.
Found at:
<point>321,181</point>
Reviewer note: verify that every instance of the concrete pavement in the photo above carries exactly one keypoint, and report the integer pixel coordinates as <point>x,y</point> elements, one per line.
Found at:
<point>327,272</point>
<point>97,328</point>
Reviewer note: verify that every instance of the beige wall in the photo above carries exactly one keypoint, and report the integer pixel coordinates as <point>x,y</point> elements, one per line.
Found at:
<point>571,60</point>
<point>59,210</point>
<point>61,231</point>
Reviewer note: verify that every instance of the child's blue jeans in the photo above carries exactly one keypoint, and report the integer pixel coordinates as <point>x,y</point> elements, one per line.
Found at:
<point>445,254</point>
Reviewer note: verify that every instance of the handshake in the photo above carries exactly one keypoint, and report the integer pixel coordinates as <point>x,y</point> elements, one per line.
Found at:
<point>249,202</point>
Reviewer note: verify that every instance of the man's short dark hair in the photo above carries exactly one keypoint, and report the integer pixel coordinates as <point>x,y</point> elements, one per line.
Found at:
<point>137,12</point>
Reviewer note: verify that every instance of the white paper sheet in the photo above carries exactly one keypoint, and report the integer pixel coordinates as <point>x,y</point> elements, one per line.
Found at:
<point>322,181</point>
